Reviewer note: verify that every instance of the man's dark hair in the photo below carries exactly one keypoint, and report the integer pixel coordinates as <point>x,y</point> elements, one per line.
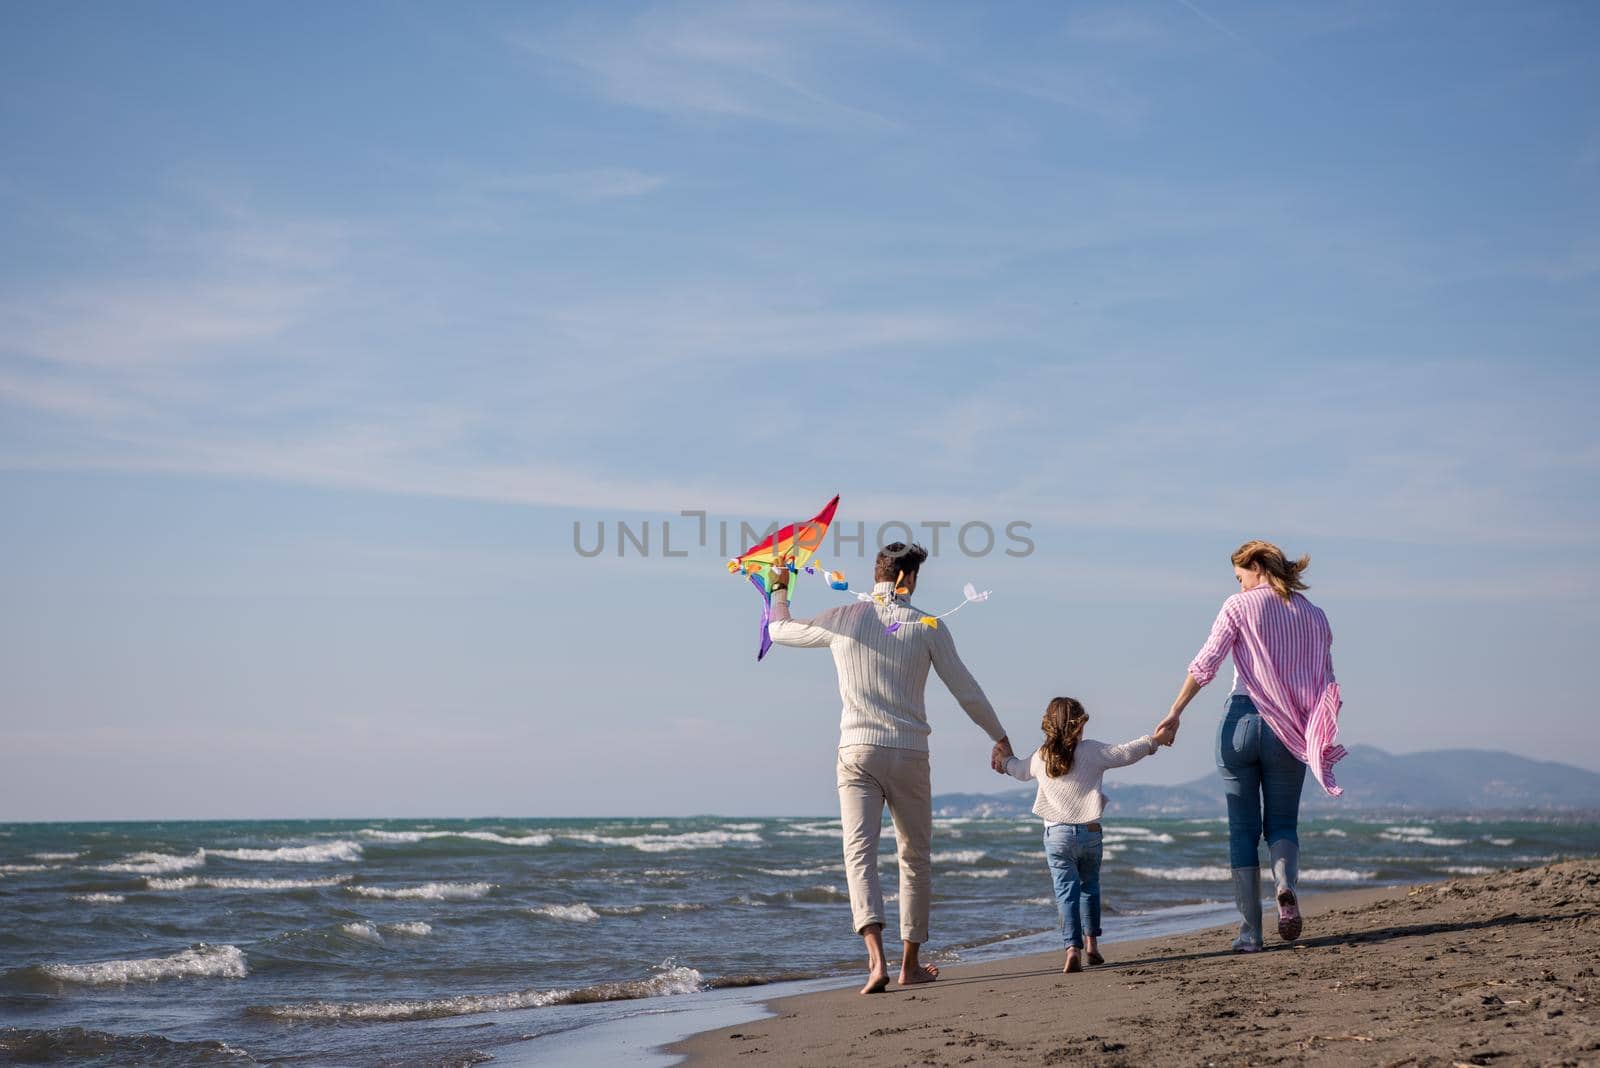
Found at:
<point>897,557</point>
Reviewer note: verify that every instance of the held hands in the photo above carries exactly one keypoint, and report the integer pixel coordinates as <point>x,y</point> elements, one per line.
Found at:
<point>1166,731</point>
<point>1000,754</point>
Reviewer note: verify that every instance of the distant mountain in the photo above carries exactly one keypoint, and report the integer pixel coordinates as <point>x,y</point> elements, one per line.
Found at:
<point>1446,780</point>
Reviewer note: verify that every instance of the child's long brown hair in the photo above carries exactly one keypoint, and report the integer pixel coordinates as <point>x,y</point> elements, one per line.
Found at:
<point>1063,723</point>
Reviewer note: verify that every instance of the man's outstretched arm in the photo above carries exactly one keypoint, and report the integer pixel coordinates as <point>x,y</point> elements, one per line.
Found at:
<point>965,689</point>
<point>799,633</point>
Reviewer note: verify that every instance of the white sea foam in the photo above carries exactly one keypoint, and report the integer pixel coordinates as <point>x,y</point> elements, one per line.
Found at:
<point>318,853</point>
<point>1039,901</point>
<point>157,863</point>
<point>579,913</point>
<point>1502,842</point>
<point>802,873</point>
<point>20,869</point>
<point>218,962</point>
<point>1206,874</point>
<point>957,856</point>
<point>55,856</point>
<point>1335,875</point>
<point>192,882</point>
<point>668,843</point>
<point>1213,874</point>
<point>987,873</point>
<point>1471,869</point>
<point>1419,836</point>
<point>1116,837</point>
<point>663,873</point>
<point>814,829</point>
<point>100,899</point>
<point>672,980</point>
<point>537,839</point>
<point>425,892</point>
<point>1334,832</point>
<point>741,826</point>
<point>364,931</point>
<point>412,930</point>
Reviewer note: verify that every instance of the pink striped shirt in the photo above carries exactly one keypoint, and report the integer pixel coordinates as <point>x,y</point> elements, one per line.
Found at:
<point>1284,655</point>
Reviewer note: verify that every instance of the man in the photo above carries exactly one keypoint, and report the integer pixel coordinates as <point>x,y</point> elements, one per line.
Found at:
<point>883,741</point>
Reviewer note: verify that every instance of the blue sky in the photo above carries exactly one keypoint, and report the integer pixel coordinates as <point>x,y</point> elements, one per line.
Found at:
<point>318,334</point>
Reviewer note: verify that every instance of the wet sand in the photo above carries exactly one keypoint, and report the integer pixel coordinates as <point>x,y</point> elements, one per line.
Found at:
<point>1497,969</point>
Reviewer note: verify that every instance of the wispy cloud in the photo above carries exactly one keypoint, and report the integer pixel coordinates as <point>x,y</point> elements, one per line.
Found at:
<point>600,183</point>
<point>755,61</point>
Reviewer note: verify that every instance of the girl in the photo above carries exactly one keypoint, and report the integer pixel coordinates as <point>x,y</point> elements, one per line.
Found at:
<point>1068,769</point>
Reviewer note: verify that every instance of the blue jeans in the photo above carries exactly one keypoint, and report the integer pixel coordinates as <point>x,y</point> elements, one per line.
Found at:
<point>1073,852</point>
<point>1262,781</point>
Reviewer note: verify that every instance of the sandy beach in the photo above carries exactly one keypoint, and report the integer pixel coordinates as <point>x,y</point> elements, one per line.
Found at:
<point>1494,969</point>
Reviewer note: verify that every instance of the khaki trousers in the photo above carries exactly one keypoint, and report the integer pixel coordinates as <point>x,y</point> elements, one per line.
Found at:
<point>870,776</point>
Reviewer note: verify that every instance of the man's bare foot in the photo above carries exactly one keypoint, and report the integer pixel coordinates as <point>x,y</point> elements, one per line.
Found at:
<point>877,981</point>
<point>923,973</point>
<point>1074,964</point>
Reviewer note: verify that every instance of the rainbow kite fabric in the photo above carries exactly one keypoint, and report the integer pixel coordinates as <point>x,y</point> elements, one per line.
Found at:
<point>790,548</point>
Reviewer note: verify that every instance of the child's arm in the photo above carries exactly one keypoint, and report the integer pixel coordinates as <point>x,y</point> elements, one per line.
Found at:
<point>1120,756</point>
<point>1020,768</point>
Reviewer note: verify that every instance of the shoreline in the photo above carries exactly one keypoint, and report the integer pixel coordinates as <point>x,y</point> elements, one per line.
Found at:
<point>1499,968</point>
<point>661,1032</point>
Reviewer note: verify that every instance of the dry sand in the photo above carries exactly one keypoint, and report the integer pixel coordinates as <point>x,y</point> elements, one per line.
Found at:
<point>1496,969</point>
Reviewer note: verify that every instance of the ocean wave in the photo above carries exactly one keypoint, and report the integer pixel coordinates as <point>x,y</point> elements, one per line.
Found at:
<point>672,979</point>
<point>1333,832</point>
<point>668,843</point>
<point>99,899</point>
<point>425,892</point>
<point>987,873</point>
<point>202,961</point>
<point>813,895</point>
<point>412,837</point>
<point>80,1045</point>
<point>1409,837</point>
<point>1502,842</point>
<point>365,932</point>
<point>579,913</point>
<point>1336,875</point>
<point>1209,873</point>
<point>192,882</point>
<point>741,826</point>
<point>957,856</point>
<point>414,929</point>
<point>21,869</point>
<point>1124,835</point>
<point>802,873</point>
<point>814,829</point>
<point>318,853</point>
<point>56,856</point>
<point>1471,869</point>
<point>157,863</point>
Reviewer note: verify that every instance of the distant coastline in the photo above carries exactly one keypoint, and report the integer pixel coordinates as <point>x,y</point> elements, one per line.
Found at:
<point>1463,782</point>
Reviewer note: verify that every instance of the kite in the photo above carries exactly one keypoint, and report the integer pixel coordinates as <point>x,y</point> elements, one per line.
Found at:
<point>791,548</point>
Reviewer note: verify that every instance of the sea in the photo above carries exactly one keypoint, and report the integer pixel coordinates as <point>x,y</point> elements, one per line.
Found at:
<point>519,941</point>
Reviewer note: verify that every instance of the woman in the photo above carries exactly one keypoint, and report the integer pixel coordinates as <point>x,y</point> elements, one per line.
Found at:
<point>1281,718</point>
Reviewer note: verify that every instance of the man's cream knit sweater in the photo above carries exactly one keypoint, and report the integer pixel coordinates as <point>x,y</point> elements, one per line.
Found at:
<point>882,676</point>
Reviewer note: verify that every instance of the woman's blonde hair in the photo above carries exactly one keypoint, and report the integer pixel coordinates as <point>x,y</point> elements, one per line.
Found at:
<point>1063,723</point>
<point>1279,570</point>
